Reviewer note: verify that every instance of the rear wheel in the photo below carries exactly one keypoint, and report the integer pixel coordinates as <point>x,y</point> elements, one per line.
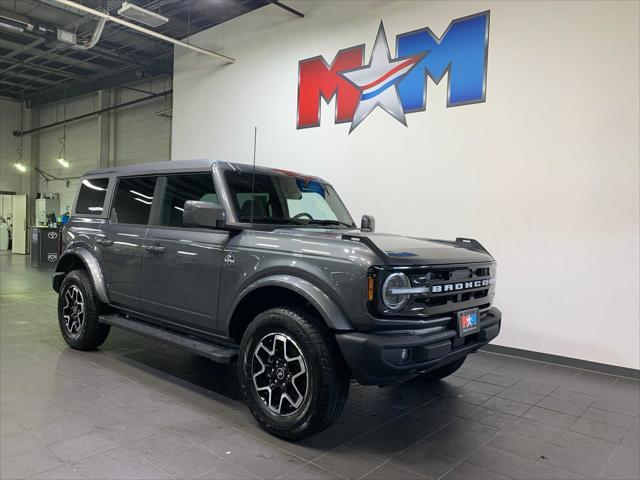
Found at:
<point>78,312</point>
<point>292,375</point>
<point>443,371</point>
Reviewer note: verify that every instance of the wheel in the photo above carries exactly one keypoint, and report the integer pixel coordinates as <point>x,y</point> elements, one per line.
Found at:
<point>292,375</point>
<point>78,311</point>
<point>443,371</point>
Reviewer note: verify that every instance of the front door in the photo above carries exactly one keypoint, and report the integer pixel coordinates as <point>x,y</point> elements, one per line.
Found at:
<point>181,266</point>
<point>120,244</point>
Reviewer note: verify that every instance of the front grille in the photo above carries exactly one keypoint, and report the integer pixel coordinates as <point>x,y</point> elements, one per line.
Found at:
<point>451,288</point>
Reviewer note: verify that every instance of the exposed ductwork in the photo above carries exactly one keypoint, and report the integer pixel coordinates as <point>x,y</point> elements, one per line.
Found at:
<point>144,30</point>
<point>14,21</point>
<point>97,33</point>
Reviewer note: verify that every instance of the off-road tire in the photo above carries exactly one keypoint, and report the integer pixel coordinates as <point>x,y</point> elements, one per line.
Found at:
<point>92,333</point>
<point>444,371</point>
<point>328,377</point>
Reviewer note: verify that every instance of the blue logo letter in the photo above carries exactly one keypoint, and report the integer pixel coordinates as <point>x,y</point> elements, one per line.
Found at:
<point>462,51</point>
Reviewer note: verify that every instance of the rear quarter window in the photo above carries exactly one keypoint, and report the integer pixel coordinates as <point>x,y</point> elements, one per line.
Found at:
<point>92,195</point>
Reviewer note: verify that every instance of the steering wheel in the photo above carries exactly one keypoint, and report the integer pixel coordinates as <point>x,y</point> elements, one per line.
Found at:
<point>305,214</point>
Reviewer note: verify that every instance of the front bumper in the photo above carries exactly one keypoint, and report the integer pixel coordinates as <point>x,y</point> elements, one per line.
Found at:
<point>374,358</point>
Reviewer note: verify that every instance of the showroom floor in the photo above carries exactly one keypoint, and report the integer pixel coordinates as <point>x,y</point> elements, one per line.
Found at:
<point>140,409</point>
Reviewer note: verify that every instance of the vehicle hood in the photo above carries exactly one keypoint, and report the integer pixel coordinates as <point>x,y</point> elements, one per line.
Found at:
<point>403,250</point>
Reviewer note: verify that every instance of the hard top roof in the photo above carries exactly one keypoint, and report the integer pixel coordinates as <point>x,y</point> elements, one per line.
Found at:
<point>177,166</point>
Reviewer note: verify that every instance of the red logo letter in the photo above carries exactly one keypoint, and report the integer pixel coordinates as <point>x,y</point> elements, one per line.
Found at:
<point>317,79</point>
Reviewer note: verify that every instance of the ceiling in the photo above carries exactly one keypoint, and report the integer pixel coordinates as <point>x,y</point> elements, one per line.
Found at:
<point>37,68</point>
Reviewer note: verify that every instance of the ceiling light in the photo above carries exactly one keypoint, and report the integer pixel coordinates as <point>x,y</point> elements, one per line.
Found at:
<point>141,15</point>
<point>20,167</point>
<point>63,162</point>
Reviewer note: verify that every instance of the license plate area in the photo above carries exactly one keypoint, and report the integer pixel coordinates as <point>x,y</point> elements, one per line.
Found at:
<point>468,322</point>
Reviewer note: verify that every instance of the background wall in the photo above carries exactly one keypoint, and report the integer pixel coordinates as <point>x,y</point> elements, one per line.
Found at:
<point>10,178</point>
<point>545,173</point>
<point>126,136</point>
<point>135,134</point>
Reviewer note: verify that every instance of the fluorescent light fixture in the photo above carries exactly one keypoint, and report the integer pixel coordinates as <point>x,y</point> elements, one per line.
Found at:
<point>63,162</point>
<point>95,209</point>
<point>141,200</point>
<point>141,15</point>
<point>66,36</point>
<point>20,167</point>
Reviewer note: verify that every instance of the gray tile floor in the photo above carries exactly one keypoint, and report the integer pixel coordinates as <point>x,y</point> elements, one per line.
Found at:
<point>140,409</point>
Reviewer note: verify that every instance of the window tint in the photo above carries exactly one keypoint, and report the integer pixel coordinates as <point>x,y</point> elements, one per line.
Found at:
<point>181,188</point>
<point>311,205</point>
<point>287,198</point>
<point>92,194</point>
<point>133,200</point>
<point>265,199</point>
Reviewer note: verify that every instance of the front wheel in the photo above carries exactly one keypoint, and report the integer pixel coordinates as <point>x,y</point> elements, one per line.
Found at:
<point>291,373</point>
<point>78,312</point>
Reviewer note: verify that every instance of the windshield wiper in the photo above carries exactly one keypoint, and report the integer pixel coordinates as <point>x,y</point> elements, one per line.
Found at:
<point>330,222</point>
<point>265,219</point>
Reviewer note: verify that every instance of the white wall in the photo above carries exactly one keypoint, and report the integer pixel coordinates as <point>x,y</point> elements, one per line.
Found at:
<point>545,173</point>
<point>10,178</point>
<point>82,145</point>
<point>138,135</point>
<point>143,135</point>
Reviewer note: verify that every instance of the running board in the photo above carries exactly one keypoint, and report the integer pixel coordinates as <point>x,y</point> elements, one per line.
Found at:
<point>216,352</point>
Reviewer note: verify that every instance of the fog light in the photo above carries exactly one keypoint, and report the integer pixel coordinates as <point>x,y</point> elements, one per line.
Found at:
<point>405,355</point>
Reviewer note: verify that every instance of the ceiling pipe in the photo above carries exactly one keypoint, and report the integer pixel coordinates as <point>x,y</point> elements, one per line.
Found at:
<point>287,8</point>
<point>144,30</point>
<point>97,33</point>
<point>21,133</point>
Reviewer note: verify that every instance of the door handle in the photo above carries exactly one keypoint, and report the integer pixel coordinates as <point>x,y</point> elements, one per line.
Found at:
<point>104,241</point>
<point>156,249</point>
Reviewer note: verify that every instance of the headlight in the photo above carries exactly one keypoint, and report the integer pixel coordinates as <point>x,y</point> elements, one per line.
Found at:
<point>390,298</point>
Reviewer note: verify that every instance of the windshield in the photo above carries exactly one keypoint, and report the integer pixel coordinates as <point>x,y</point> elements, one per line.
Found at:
<point>286,199</point>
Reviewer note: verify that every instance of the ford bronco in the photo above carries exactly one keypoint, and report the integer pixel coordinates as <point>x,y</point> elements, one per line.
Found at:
<point>266,268</point>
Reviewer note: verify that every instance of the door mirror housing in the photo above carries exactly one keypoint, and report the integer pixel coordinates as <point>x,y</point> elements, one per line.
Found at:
<point>203,214</point>
<point>368,223</point>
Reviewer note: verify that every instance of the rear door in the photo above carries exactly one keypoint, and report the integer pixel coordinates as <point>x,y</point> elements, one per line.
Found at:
<point>120,246</point>
<point>181,266</point>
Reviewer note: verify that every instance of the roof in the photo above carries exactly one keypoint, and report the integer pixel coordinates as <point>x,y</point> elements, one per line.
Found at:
<point>197,165</point>
<point>156,167</point>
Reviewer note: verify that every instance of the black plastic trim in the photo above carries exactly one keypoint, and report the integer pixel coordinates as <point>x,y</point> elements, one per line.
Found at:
<point>368,354</point>
<point>216,352</point>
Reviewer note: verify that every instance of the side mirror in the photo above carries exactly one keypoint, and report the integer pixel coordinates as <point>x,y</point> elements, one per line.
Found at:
<point>202,214</point>
<point>368,223</point>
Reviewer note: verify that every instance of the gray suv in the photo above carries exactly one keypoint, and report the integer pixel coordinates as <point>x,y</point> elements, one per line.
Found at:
<point>266,268</point>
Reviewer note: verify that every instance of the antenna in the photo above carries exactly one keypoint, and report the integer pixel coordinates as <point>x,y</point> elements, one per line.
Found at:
<point>253,176</point>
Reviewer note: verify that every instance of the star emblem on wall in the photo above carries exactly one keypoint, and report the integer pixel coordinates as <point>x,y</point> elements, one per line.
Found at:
<point>378,81</point>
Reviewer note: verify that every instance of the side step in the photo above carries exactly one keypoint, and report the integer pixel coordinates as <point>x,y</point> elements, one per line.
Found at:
<point>216,352</point>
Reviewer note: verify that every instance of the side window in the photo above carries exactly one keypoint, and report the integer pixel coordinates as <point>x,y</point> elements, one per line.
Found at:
<point>91,196</point>
<point>133,200</point>
<point>181,188</point>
